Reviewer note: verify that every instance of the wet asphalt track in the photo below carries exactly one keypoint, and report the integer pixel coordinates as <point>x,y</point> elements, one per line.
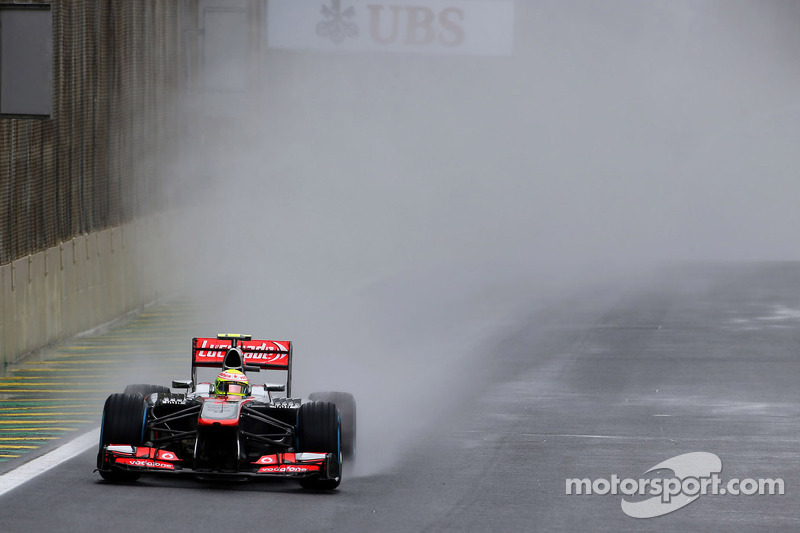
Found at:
<point>704,359</point>
<point>57,392</point>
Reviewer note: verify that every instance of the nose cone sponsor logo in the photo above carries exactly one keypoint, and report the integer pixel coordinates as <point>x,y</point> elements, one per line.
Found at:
<point>166,456</point>
<point>689,469</point>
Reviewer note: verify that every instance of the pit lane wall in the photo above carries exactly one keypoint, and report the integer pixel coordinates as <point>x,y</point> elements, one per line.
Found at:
<point>73,287</point>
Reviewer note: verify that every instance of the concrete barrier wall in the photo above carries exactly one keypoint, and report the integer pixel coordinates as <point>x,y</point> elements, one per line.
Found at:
<point>81,284</point>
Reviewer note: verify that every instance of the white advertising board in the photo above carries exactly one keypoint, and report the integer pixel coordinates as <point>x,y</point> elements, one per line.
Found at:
<point>461,27</point>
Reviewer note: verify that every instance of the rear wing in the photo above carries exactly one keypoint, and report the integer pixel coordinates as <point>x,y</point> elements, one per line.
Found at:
<point>209,352</point>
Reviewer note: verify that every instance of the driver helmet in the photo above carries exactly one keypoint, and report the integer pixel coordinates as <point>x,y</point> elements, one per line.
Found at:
<point>232,383</point>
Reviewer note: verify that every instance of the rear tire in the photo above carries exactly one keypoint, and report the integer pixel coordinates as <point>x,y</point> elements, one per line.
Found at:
<point>146,390</point>
<point>346,404</point>
<point>124,417</point>
<point>319,430</point>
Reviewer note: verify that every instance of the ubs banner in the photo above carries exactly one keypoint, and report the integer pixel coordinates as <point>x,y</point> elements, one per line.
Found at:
<point>464,27</point>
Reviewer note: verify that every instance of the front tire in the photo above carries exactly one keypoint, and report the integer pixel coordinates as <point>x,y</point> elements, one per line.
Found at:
<point>124,417</point>
<point>319,430</point>
<point>346,404</point>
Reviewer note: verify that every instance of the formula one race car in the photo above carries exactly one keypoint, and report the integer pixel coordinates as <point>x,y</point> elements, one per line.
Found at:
<point>229,428</point>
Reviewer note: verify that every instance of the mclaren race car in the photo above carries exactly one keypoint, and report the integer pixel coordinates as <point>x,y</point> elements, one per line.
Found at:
<point>229,428</point>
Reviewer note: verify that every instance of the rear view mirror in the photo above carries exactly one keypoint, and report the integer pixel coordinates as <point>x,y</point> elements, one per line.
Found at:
<point>275,387</point>
<point>181,383</point>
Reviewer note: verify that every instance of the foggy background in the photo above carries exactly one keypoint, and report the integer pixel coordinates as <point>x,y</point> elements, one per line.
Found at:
<point>394,214</point>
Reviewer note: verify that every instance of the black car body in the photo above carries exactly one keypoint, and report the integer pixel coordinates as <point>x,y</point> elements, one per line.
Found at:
<point>149,429</point>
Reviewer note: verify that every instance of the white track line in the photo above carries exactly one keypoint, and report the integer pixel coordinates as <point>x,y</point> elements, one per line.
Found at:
<point>14,478</point>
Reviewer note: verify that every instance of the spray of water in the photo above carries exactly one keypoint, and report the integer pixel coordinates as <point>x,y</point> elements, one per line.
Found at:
<point>389,213</point>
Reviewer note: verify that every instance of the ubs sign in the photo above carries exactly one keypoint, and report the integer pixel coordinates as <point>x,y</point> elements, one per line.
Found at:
<point>465,27</point>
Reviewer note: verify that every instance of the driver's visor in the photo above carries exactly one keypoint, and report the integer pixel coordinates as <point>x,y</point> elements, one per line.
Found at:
<point>234,388</point>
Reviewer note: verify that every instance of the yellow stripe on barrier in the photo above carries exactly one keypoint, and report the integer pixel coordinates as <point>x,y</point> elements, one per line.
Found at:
<point>3,409</point>
<point>69,413</point>
<point>16,439</point>
<point>34,422</point>
<point>40,369</point>
<point>48,383</point>
<point>27,379</point>
<point>40,400</point>
<point>40,429</point>
<point>59,391</point>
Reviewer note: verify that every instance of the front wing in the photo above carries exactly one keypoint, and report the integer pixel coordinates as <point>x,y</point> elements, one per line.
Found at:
<point>143,459</point>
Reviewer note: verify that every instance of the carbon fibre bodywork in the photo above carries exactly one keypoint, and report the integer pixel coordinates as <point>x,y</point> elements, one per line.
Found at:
<point>151,429</point>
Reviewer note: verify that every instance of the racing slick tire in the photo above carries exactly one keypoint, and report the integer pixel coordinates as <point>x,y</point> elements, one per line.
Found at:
<point>124,417</point>
<point>346,404</point>
<point>146,390</point>
<point>319,430</point>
